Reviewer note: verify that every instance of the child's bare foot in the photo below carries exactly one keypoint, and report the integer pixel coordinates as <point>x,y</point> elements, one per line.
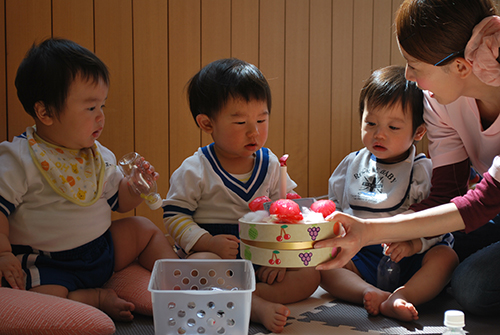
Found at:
<point>399,309</point>
<point>372,299</point>
<point>273,316</point>
<point>117,308</point>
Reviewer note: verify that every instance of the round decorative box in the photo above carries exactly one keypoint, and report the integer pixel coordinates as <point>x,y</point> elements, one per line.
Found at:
<point>285,244</point>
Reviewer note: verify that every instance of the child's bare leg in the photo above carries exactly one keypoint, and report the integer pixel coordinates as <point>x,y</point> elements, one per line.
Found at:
<point>346,284</point>
<point>203,255</point>
<point>271,315</point>
<point>399,308</point>
<point>56,290</point>
<point>104,299</point>
<point>138,238</point>
<point>268,300</point>
<point>297,285</point>
<point>373,299</point>
<point>437,267</point>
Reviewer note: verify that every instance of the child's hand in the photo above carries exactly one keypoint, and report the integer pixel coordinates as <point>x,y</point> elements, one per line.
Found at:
<point>226,246</point>
<point>271,274</point>
<point>10,269</point>
<point>400,250</point>
<point>147,168</point>
<point>139,185</point>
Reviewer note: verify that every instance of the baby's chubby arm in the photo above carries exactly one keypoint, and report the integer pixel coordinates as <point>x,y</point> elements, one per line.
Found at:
<point>10,267</point>
<point>226,246</point>
<point>128,197</point>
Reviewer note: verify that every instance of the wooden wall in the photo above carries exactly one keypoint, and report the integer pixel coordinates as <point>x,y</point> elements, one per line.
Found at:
<point>314,53</point>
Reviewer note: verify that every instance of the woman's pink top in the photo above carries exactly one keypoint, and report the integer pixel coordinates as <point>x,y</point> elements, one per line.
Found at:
<point>457,140</point>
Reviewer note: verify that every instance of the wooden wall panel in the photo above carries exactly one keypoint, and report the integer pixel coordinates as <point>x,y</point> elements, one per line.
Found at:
<point>113,44</point>
<point>215,36</point>
<point>342,88</point>
<point>382,33</point>
<point>272,64</point>
<point>3,87</point>
<point>74,20</point>
<point>245,30</point>
<point>362,59</point>
<point>215,30</point>
<point>314,53</point>
<point>296,91</point>
<point>396,57</point>
<point>150,55</point>
<point>320,88</point>
<point>27,22</point>
<point>184,61</point>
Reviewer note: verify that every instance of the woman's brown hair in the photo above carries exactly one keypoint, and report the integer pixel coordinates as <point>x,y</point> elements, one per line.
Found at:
<point>431,30</point>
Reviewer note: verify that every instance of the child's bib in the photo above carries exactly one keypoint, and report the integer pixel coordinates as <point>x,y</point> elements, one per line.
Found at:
<point>76,175</point>
<point>378,187</point>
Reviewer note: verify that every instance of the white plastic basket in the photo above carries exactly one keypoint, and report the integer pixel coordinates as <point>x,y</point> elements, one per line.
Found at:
<point>202,296</point>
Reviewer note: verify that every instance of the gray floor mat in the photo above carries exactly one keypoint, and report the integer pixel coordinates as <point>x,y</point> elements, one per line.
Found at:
<point>322,315</point>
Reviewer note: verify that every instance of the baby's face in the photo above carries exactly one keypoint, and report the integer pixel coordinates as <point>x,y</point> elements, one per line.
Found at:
<point>82,119</point>
<point>387,132</point>
<point>240,128</point>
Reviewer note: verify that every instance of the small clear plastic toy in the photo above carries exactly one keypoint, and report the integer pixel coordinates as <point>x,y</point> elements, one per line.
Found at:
<point>387,273</point>
<point>142,183</point>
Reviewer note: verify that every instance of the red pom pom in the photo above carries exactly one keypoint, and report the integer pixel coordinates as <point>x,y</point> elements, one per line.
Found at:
<point>325,207</point>
<point>286,210</point>
<point>257,204</point>
<point>293,196</point>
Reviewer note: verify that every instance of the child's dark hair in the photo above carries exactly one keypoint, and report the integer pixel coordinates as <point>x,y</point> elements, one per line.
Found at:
<point>210,89</point>
<point>431,30</point>
<point>388,86</point>
<point>49,68</point>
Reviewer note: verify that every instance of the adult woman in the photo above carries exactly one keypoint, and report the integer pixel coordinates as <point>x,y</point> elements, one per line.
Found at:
<point>451,49</point>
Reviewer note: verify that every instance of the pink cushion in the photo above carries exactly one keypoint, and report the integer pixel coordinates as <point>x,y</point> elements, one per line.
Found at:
<point>131,284</point>
<point>25,312</point>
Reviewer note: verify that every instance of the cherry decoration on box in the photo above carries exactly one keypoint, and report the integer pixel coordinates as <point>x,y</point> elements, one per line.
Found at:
<point>282,233</point>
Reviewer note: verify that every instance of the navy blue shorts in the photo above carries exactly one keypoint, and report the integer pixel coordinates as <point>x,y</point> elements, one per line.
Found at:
<point>88,266</point>
<point>367,259</point>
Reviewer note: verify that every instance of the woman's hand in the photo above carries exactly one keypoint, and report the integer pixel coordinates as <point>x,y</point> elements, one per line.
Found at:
<point>345,245</point>
<point>403,227</point>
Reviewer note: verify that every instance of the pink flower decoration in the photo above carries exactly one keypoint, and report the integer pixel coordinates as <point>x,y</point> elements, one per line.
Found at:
<point>482,50</point>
